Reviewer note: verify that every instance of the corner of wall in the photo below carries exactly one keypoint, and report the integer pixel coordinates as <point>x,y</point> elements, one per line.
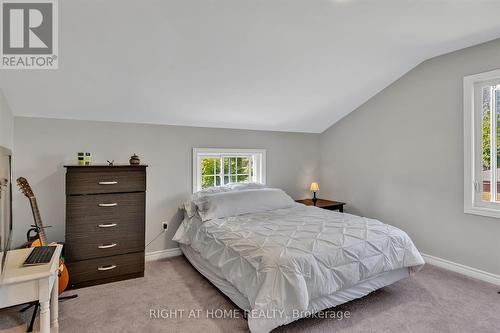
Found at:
<point>6,123</point>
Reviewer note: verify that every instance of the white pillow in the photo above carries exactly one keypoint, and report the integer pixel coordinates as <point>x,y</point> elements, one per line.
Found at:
<point>220,205</point>
<point>190,207</point>
<point>245,186</point>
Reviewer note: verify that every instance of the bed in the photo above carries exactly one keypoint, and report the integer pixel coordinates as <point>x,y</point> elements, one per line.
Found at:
<point>281,261</point>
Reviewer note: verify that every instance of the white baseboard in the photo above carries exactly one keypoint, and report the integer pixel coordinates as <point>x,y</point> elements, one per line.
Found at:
<point>162,254</point>
<point>462,269</point>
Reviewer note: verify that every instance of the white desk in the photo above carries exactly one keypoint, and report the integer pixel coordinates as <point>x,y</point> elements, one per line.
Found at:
<point>27,284</point>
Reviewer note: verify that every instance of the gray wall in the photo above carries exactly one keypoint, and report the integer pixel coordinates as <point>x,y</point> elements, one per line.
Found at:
<point>43,145</point>
<point>399,158</point>
<point>6,123</point>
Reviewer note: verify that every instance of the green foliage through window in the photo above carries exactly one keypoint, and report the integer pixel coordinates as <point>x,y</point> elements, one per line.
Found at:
<point>217,171</point>
<point>486,130</point>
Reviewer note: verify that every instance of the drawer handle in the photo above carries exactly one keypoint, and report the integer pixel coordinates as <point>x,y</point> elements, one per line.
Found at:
<point>108,204</point>
<point>106,268</point>
<point>107,246</point>
<point>109,225</point>
<point>108,183</point>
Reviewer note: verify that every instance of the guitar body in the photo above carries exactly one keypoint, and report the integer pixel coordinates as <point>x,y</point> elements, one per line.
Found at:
<point>25,188</point>
<point>36,243</point>
<point>63,271</point>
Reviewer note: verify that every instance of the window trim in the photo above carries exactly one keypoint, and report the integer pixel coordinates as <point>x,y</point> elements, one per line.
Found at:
<point>198,153</point>
<point>472,148</point>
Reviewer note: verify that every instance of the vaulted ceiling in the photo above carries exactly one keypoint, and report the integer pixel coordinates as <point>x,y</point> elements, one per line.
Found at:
<point>288,65</point>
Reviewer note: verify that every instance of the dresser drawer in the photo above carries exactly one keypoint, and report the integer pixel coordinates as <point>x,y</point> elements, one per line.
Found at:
<point>124,239</point>
<point>95,181</point>
<point>105,268</point>
<point>86,212</point>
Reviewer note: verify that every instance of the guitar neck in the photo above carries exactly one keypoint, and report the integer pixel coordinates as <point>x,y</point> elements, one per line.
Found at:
<point>38,221</point>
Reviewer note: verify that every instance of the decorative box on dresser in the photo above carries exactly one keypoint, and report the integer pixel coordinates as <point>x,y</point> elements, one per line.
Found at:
<point>105,223</point>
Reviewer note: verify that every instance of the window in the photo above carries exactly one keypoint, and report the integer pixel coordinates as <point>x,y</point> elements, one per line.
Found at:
<point>217,167</point>
<point>482,144</point>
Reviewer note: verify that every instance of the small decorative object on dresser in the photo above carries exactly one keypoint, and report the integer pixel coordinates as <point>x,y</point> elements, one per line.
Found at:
<point>325,204</point>
<point>134,160</point>
<point>84,158</point>
<point>81,158</point>
<point>88,158</point>
<point>105,222</point>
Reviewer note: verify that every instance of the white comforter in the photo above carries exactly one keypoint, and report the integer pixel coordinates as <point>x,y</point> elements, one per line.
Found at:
<point>282,259</point>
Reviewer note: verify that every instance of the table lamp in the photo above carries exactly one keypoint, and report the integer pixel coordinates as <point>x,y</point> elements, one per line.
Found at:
<point>314,189</point>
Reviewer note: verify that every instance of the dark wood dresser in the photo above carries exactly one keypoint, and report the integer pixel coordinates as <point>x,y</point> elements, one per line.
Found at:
<point>105,223</point>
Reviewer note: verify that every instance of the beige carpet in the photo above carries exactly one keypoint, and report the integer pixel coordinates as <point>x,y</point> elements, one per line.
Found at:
<point>433,300</point>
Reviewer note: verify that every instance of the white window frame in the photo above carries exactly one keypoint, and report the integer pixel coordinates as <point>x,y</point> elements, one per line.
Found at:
<point>473,182</point>
<point>258,155</point>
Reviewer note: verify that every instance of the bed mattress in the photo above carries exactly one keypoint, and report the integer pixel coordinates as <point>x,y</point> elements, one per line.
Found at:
<point>214,275</point>
<point>292,259</point>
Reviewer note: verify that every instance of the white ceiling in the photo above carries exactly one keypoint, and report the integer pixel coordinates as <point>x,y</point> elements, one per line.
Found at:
<point>288,65</point>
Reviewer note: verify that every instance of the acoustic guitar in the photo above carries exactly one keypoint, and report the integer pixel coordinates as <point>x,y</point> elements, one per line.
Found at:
<point>25,188</point>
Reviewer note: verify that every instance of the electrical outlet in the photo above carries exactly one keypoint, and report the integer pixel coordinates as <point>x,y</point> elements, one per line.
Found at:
<point>165,225</point>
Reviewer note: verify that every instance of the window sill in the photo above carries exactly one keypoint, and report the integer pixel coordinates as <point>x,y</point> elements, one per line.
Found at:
<point>483,211</point>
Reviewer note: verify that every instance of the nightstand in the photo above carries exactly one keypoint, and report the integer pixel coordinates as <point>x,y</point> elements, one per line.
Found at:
<point>325,204</point>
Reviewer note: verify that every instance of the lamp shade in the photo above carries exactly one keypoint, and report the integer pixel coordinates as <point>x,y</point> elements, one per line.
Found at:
<point>314,187</point>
